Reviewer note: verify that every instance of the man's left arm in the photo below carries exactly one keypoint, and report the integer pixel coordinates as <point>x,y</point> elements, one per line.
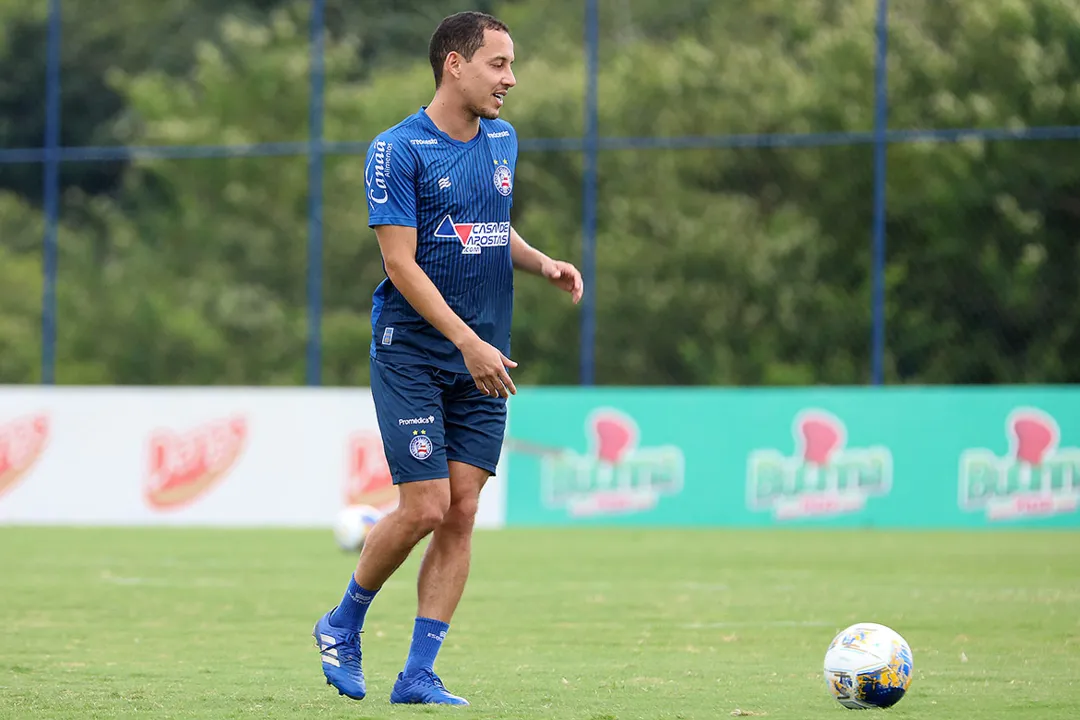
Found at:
<point>525,256</point>
<point>559,273</point>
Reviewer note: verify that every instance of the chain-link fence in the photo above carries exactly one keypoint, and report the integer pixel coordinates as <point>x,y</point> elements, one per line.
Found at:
<point>794,192</point>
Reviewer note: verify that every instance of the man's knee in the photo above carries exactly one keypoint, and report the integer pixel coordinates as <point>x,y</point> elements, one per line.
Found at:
<point>425,503</point>
<point>466,482</point>
<point>461,514</point>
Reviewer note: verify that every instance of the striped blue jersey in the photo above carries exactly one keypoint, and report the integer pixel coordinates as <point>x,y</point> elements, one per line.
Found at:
<point>458,196</point>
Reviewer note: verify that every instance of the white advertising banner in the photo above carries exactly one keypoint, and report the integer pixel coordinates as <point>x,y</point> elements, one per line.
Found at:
<point>195,456</point>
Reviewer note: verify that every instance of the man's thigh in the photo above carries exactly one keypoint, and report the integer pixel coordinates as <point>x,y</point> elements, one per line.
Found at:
<point>409,405</point>
<point>474,425</point>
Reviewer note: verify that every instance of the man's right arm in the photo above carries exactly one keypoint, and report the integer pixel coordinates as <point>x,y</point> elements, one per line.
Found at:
<point>398,245</point>
<point>486,364</point>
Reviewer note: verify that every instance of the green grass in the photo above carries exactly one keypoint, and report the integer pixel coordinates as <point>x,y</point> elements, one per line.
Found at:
<point>584,624</point>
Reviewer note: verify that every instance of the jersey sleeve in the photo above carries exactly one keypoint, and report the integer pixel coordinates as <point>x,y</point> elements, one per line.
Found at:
<point>390,175</point>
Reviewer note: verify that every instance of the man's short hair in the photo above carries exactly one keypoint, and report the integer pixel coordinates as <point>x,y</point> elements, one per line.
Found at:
<point>462,33</point>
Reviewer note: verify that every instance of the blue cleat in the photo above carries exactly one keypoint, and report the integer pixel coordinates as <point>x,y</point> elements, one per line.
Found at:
<point>424,687</point>
<point>340,651</point>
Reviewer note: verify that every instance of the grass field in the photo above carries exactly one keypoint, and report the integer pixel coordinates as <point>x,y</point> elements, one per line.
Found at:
<point>588,624</point>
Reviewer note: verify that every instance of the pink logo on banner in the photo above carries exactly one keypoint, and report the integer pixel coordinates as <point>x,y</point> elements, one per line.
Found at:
<point>184,465</point>
<point>1036,478</point>
<point>22,441</point>
<point>368,480</point>
<point>823,477</point>
<point>614,477</point>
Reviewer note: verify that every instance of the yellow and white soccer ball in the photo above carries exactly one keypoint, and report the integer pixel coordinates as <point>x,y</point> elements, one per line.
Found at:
<point>352,525</point>
<point>868,666</point>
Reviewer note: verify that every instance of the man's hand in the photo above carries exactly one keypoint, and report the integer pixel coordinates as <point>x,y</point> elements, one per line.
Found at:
<point>564,276</point>
<point>488,368</point>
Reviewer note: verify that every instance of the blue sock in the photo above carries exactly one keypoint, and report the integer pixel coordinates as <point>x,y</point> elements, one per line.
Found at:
<point>353,608</point>
<point>427,638</point>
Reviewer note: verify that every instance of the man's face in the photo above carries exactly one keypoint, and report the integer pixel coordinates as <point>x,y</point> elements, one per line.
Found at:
<point>488,76</point>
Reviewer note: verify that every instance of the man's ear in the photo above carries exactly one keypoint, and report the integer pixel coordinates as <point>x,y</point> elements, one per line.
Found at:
<point>453,64</point>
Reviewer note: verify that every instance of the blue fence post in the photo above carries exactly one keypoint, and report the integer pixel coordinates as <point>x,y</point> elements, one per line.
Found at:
<point>51,195</point>
<point>315,194</point>
<point>589,199</point>
<point>881,120</point>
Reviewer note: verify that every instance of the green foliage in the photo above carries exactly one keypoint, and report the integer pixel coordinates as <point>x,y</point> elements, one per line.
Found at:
<point>720,266</point>
<point>20,290</point>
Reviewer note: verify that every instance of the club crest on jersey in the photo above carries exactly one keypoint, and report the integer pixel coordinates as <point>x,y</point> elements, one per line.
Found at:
<point>503,180</point>
<point>474,236</point>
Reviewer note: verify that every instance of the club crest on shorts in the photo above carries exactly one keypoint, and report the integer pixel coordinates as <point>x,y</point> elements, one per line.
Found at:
<point>420,446</point>
<point>503,181</point>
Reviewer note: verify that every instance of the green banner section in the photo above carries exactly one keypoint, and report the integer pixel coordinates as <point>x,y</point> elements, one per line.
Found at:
<point>926,457</point>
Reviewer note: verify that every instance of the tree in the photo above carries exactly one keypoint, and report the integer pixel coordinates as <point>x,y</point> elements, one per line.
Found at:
<point>744,265</point>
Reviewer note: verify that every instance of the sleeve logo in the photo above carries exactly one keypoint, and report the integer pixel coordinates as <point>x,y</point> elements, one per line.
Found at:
<point>377,171</point>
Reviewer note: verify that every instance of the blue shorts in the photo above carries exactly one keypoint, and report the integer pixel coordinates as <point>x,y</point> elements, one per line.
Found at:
<point>429,416</point>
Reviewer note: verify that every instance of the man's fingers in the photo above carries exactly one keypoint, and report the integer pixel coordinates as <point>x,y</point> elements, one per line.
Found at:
<point>494,380</point>
<point>507,382</point>
<point>495,386</point>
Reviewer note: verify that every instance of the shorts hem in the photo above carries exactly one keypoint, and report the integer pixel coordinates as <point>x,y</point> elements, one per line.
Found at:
<point>420,477</point>
<point>488,467</point>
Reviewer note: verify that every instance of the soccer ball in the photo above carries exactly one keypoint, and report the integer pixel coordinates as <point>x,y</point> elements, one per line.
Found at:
<point>352,525</point>
<point>868,666</point>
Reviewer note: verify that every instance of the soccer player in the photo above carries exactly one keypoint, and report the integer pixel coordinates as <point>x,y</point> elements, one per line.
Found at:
<point>439,190</point>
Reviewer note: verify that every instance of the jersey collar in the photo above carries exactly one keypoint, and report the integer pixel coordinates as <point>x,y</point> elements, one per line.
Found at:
<point>435,129</point>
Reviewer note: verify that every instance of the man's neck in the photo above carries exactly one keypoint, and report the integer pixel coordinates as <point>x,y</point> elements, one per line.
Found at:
<point>452,119</point>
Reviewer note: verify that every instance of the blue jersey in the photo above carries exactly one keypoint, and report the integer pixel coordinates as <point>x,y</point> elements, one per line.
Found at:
<point>458,196</point>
